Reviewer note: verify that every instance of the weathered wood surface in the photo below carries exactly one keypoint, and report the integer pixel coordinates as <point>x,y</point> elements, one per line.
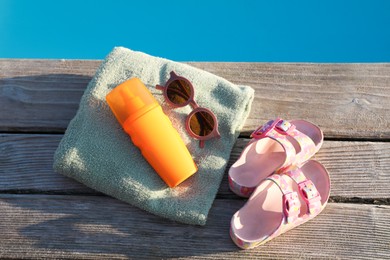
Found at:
<point>89,227</point>
<point>46,215</point>
<point>346,100</point>
<point>357,169</point>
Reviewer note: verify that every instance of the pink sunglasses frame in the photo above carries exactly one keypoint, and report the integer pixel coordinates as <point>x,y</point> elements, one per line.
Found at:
<point>196,108</point>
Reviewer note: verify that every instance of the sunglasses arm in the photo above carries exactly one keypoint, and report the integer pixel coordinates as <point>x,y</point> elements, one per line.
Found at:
<point>173,74</point>
<point>160,87</point>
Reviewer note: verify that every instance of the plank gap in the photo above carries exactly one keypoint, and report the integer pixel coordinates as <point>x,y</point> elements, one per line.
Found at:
<point>333,199</point>
<point>243,135</point>
<point>358,200</point>
<point>246,135</point>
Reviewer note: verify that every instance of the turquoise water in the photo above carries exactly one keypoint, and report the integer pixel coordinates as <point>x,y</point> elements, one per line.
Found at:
<point>325,31</point>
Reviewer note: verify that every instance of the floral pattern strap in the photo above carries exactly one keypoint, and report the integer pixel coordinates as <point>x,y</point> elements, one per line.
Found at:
<point>278,130</point>
<point>307,190</point>
<point>291,203</point>
<point>308,147</point>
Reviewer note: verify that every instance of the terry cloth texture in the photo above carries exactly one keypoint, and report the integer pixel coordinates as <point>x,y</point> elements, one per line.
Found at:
<point>97,152</point>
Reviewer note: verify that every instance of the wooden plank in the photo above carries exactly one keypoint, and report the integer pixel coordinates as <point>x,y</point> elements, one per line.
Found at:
<point>47,226</point>
<point>43,95</point>
<point>353,97</point>
<point>26,165</point>
<point>357,169</point>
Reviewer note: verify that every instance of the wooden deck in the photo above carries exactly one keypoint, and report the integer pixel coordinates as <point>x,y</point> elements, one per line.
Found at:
<point>46,215</point>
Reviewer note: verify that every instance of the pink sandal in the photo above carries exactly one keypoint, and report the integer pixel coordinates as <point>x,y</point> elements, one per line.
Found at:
<point>275,146</point>
<point>281,202</point>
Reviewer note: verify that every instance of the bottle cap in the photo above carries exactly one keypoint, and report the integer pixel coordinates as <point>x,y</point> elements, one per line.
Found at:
<point>130,100</point>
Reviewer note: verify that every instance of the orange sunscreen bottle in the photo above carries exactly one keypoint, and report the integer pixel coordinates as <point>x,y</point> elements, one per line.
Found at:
<point>151,130</point>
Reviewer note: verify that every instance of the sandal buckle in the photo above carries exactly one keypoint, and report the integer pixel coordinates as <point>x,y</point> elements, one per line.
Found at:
<point>284,126</point>
<point>265,129</point>
<point>309,194</point>
<point>291,206</point>
<point>281,126</point>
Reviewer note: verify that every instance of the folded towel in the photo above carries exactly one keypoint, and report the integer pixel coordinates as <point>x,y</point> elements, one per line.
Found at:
<point>98,153</point>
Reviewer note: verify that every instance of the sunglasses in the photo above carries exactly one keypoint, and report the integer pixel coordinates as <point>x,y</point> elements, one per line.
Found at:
<point>201,123</point>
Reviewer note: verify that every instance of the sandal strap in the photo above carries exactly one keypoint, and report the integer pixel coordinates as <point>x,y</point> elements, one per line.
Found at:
<point>278,130</point>
<point>307,145</point>
<point>291,202</point>
<point>307,190</point>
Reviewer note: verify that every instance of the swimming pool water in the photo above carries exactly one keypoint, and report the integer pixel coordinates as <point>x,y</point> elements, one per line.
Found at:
<point>324,31</point>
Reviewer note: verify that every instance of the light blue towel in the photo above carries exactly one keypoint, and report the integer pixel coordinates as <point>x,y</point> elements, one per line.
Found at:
<point>97,152</point>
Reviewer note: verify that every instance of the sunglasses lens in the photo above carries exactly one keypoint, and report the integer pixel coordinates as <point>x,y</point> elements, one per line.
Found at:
<point>202,123</point>
<point>179,92</point>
